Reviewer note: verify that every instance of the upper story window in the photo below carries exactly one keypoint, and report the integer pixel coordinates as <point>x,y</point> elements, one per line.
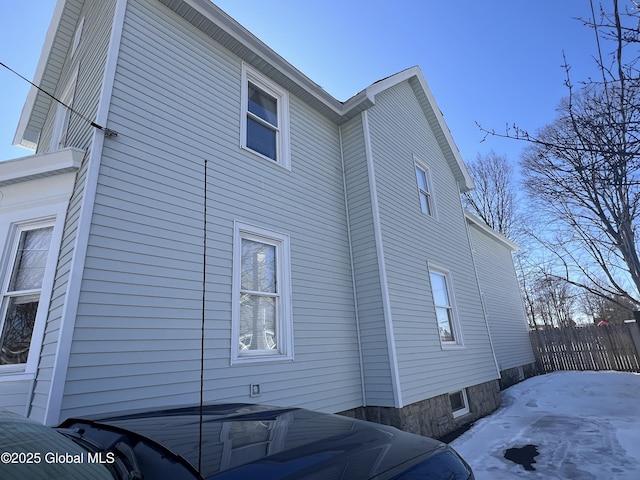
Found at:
<point>63,116</point>
<point>77,36</point>
<point>265,118</point>
<point>446,317</point>
<point>261,288</point>
<point>21,291</point>
<point>425,195</point>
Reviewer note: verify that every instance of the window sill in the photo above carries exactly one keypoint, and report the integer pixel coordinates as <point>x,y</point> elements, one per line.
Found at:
<point>15,375</point>
<point>452,346</point>
<point>458,416</point>
<point>264,158</point>
<point>261,359</point>
<point>430,216</point>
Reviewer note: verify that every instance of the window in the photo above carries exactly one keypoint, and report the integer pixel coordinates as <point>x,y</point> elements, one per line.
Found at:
<point>262,312</point>
<point>459,403</point>
<point>448,327</point>
<point>63,117</point>
<point>424,189</point>
<point>77,36</point>
<point>265,122</point>
<point>21,293</point>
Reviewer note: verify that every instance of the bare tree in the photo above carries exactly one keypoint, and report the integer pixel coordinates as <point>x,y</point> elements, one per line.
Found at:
<point>526,279</point>
<point>612,311</point>
<point>493,199</point>
<point>554,301</point>
<point>583,170</point>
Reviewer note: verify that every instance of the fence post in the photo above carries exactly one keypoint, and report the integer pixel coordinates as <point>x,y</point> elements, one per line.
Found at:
<point>634,328</point>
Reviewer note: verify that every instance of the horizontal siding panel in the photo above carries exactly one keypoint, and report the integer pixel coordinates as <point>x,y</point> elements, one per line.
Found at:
<point>412,241</point>
<point>501,293</point>
<point>89,59</point>
<point>15,396</point>
<point>143,275</point>
<point>375,356</point>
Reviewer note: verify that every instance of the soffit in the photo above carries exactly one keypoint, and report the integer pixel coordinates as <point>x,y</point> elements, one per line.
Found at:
<point>57,41</point>
<point>216,24</point>
<point>480,225</point>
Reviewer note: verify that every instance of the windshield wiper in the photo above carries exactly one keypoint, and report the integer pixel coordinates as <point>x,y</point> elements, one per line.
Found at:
<point>125,470</point>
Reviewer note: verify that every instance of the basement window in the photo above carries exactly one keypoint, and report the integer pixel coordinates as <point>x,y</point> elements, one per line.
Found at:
<point>459,403</point>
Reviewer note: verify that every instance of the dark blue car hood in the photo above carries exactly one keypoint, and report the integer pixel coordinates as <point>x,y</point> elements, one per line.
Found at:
<point>255,441</point>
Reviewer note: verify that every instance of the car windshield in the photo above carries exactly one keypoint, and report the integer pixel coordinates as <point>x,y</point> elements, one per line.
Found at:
<point>32,451</point>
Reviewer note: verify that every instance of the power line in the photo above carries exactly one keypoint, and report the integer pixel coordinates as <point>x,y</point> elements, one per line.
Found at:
<point>107,131</point>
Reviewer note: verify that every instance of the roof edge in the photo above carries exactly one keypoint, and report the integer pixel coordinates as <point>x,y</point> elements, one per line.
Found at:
<point>482,225</point>
<point>465,182</point>
<point>24,169</point>
<point>20,137</point>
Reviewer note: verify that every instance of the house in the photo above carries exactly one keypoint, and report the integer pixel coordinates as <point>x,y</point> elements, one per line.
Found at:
<point>502,302</point>
<point>203,207</point>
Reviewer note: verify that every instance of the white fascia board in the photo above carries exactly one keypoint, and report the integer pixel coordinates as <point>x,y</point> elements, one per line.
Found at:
<point>465,183</point>
<point>477,222</point>
<point>245,38</point>
<point>21,132</point>
<point>28,168</point>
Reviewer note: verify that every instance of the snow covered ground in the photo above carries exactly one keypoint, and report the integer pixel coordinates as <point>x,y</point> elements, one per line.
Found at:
<point>586,425</point>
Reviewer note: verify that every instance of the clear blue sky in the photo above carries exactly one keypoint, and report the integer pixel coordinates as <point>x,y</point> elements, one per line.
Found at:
<point>494,62</point>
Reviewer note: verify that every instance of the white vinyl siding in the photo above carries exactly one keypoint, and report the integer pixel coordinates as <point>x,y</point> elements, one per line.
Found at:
<point>15,396</point>
<point>402,129</point>
<point>87,64</point>
<point>501,293</point>
<point>89,61</point>
<point>375,352</point>
<point>137,337</point>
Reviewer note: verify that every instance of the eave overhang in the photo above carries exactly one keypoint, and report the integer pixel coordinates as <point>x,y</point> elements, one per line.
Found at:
<point>59,36</point>
<point>28,168</point>
<point>214,22</point>
<point>478,223</point>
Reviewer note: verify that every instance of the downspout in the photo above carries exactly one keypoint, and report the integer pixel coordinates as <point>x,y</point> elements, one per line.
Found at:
<point>484,310</point>
<point>353,270</point>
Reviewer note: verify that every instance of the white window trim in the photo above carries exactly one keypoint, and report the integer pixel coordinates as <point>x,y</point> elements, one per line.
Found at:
<point>284,319</point>
<point>283,157</point>
<point>77,36</point>
<point>12,237</point>
<point>430,194</point>
<point>457,329</point>
<point>465,400</point>
<point>63,116</point>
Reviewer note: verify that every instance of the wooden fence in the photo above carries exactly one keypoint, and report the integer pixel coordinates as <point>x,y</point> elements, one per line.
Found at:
<point>614,347</point>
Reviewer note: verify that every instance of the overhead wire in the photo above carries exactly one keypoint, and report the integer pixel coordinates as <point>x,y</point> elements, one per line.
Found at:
<point>107,131</point>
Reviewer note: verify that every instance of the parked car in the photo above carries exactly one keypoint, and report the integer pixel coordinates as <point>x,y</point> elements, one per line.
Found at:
<point>238,441</point>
